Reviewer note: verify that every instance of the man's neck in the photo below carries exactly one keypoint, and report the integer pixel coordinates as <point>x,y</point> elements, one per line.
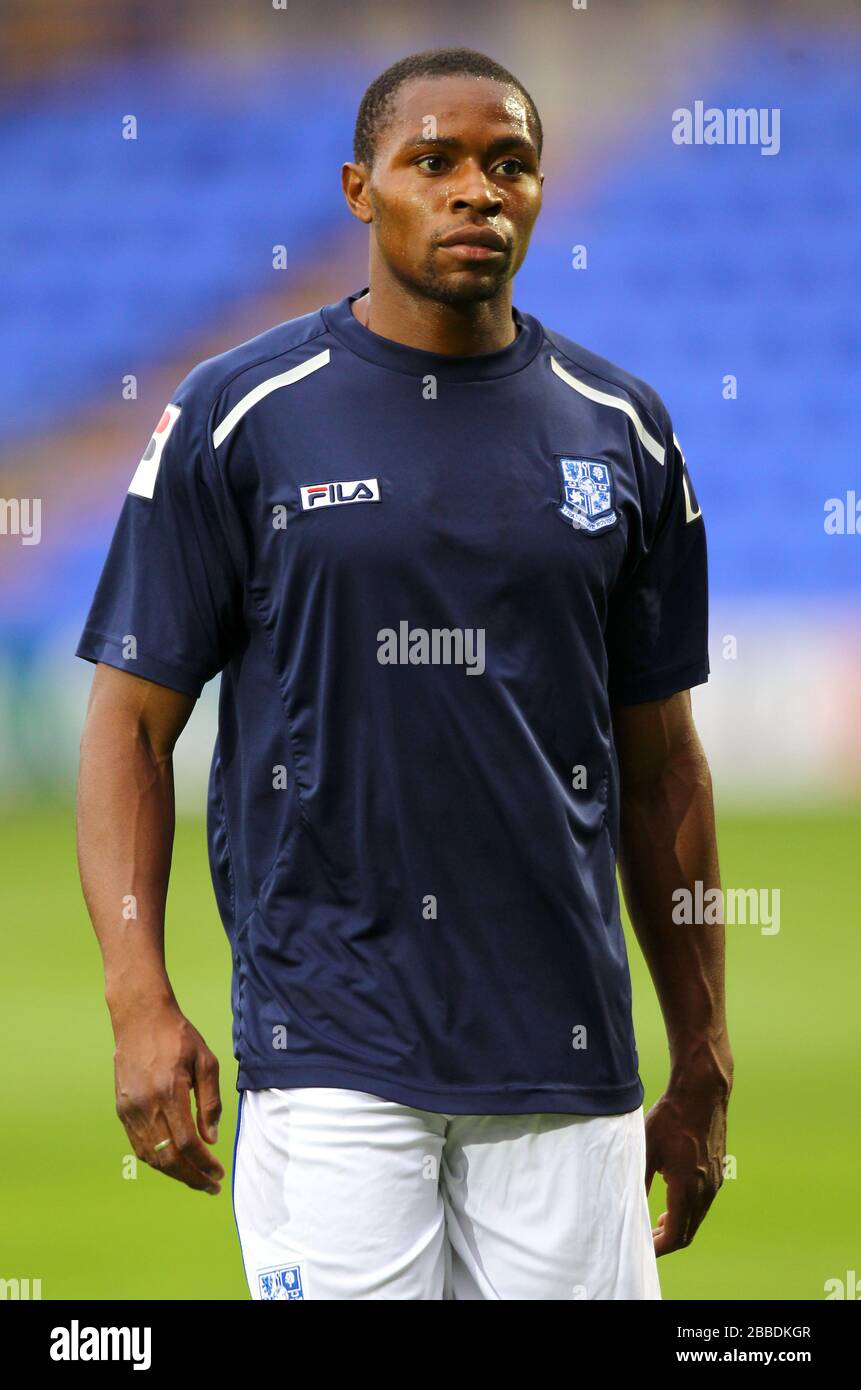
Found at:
<point>458,330</point>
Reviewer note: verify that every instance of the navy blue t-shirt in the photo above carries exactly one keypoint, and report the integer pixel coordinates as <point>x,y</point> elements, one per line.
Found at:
<point>424,579</point>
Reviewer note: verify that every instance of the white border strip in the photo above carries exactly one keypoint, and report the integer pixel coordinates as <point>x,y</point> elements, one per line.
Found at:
<point>601,398</point>
<point>273,384</point>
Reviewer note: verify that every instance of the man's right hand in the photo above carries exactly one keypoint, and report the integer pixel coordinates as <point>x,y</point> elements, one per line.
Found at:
<point>126,816</point>
<point>159,1059</point>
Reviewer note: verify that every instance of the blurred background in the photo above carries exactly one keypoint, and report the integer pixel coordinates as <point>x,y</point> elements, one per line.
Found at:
<point>154,159</point>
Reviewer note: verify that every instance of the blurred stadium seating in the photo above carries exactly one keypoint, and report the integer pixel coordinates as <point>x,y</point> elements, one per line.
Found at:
<point>138,255</point>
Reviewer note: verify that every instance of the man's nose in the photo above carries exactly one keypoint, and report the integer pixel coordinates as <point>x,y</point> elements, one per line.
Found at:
<point>474,189</point>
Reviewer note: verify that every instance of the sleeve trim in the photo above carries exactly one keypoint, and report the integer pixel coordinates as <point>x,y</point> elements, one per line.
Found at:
<point>657,685</point>
<point>98,646</point>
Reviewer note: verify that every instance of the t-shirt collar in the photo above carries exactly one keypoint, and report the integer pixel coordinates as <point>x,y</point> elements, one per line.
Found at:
<point>385,352</point>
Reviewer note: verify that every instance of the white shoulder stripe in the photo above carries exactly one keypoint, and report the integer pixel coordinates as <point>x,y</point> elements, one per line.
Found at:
<point>601,398</point>
<point>273,384</point>
<point>690,514</point>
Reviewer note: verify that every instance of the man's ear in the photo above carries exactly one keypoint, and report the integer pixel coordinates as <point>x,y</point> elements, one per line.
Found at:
<point>355,179</point>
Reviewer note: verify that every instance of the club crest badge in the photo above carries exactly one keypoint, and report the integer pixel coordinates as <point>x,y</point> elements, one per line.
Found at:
<point>285,1282</point>
<point>587,494</point>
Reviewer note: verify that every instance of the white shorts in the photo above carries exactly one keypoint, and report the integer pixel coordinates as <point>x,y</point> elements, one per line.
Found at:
<point>340,1195</point>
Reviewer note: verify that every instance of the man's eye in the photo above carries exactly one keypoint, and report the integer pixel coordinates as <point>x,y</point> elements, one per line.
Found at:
<point>425,158</point>
<point>512,160</point>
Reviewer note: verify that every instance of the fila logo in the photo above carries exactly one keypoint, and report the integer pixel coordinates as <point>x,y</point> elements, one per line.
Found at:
<point>333,494</point>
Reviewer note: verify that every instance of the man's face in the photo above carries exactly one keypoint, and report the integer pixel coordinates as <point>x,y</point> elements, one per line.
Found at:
<point>456,154</point>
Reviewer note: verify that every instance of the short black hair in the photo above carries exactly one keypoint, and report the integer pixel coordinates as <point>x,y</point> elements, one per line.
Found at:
<point>376,106</point>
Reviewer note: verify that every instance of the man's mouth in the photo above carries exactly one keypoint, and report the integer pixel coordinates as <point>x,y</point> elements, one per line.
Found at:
<point>473,243</point>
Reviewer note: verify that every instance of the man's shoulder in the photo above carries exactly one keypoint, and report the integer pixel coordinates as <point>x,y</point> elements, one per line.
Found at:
<point>248,363</point>
<point>579,362</point>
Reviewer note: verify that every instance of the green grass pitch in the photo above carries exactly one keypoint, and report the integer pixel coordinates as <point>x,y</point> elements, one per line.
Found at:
<point>788,1222</point>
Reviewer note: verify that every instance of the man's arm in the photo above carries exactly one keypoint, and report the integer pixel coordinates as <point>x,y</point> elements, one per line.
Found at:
<point>125,840</point>
<point>667,842</point>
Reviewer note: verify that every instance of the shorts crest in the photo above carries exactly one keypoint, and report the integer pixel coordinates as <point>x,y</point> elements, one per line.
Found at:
<point>283,1282</point>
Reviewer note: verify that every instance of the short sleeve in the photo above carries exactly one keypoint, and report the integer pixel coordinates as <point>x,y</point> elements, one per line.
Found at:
<point>168,605</point>
<point>657,625</point>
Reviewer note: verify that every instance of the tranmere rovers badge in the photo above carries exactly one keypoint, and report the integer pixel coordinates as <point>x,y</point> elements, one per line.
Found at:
<point>285,1282</point>
<point>587,494</point>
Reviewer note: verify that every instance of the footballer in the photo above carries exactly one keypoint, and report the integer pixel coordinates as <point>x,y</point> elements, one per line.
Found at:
<point>452,570</point>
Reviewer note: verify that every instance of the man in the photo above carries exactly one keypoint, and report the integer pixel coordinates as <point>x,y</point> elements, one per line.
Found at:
<point>453,571</point>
